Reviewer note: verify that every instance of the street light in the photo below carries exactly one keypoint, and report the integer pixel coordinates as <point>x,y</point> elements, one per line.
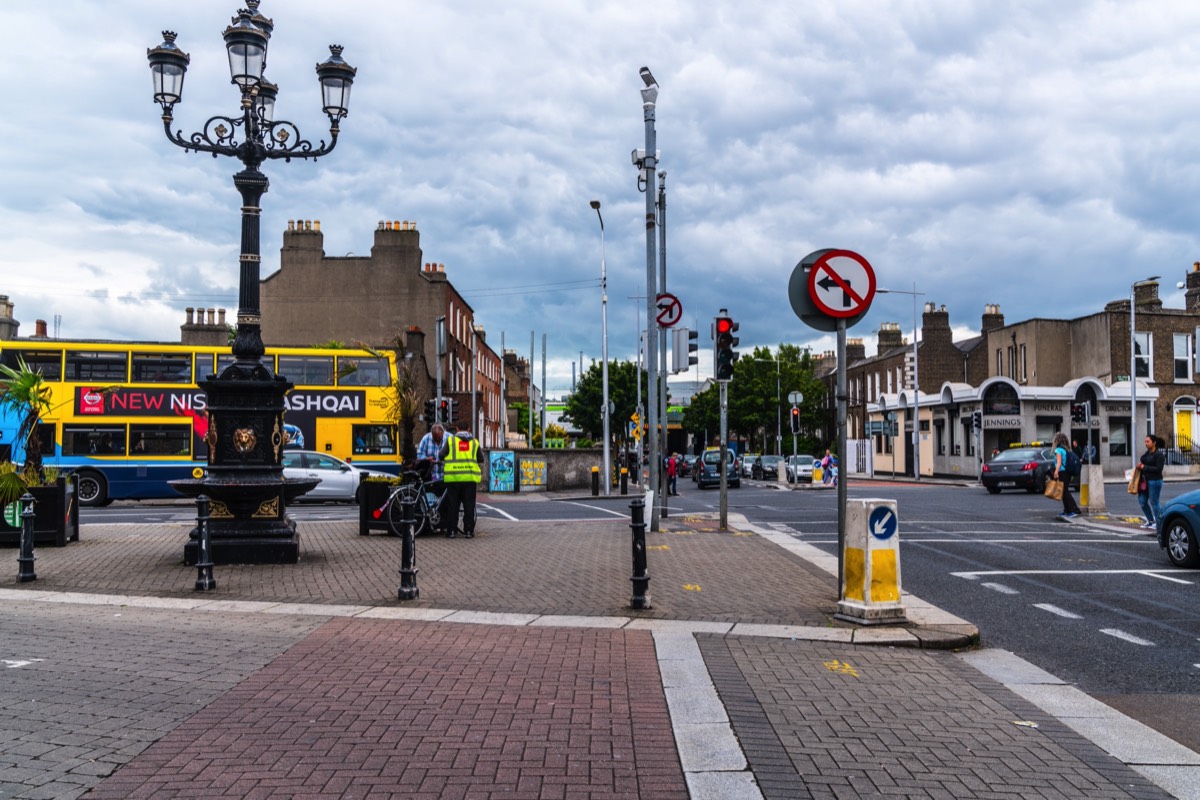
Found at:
<point>916,440</point>
<point>245,402</point>
<point>604,413</point>
<point>646,163</point>
<point>1133,369</point>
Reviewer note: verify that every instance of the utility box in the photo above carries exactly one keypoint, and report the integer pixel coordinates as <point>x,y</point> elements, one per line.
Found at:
<point>870,590</point>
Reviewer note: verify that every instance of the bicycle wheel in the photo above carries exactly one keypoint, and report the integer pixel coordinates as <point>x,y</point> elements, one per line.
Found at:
<point>431,507</point>
<point>395,509</point>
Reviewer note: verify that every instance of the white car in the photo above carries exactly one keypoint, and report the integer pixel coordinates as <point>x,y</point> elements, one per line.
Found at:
<point>339,479</point>
<point>747,464</point>
<point>800,469</point>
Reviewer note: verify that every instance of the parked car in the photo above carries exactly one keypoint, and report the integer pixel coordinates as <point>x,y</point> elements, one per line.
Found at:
<point>748,462</point>
<point>799,469</point>
<point>708,474</point>
<point>687,465</point>
<point>339,479</point>
<point>766,468</point>
<point>1020,468</point>
<point>1178,527</point>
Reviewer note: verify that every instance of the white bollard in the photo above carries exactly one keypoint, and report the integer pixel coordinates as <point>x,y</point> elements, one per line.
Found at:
<point>870,591</point>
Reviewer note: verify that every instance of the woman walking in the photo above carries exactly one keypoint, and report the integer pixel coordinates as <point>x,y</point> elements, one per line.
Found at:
<point>1061,473</point>
<point>1150,486</point>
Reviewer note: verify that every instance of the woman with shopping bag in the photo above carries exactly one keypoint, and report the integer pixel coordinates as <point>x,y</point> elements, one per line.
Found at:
<point>1151,480</point>
<point>1063,475</point>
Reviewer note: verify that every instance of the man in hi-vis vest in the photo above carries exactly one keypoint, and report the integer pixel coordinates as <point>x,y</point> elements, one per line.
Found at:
<point>461,457</point>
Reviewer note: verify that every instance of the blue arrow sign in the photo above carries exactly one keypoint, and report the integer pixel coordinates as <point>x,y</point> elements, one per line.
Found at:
<point>882,522</point>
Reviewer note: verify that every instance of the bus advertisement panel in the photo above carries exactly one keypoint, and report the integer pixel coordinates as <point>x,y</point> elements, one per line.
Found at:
<point>128,418</point>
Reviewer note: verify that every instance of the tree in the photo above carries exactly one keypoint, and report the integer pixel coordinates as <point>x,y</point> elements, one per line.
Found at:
<point>522,412</point>
<point>584,406</point>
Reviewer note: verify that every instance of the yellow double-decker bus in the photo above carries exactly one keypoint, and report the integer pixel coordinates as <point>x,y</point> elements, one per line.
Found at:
<point>128,417</point>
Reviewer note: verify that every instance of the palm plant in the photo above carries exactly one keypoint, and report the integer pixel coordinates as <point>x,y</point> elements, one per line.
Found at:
<point>25,393</point>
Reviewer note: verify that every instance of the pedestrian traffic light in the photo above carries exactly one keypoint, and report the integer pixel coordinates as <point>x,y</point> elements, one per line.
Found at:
<point>683,349</point>
<point>724,342</point>
<point>430,415</point>
<point>795,420</point>
<point>1079,413</point>
<point>977,420</point>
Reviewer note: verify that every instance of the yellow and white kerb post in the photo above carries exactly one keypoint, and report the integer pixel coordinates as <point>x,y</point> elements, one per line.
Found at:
<point>870,591</point>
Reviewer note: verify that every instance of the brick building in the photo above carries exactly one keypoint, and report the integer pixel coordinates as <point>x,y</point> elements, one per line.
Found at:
<point>381,300</point>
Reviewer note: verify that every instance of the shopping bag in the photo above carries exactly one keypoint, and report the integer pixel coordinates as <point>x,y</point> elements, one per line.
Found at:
<point>1135,477</point>
<point>1054,489</point>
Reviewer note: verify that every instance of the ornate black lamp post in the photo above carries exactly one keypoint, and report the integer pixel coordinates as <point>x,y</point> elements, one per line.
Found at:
<point>244,481</point>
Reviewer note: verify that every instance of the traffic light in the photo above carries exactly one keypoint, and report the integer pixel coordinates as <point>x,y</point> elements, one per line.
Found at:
<point>724,356</point>
<point>430,415</point>
<point>683,347</point>
<point>977,420</point>
<point>1079,413</point>
<point>795,420</point>
<point>445,410</point>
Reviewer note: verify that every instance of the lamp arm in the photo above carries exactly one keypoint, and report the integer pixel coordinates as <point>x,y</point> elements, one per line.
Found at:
<point>219,136</point>
<point>275,136</point>
<point>216,137</point>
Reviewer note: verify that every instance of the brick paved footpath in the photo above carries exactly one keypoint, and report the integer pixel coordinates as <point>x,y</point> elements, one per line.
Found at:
<point>289,692</point>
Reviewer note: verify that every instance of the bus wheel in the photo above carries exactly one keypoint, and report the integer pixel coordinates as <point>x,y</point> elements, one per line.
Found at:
<point>92,490</point>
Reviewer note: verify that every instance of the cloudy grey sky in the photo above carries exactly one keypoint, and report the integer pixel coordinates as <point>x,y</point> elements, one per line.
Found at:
<point>1041,156</point>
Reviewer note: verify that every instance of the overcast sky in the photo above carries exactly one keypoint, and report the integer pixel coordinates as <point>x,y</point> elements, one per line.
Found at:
<point>1040,156</point>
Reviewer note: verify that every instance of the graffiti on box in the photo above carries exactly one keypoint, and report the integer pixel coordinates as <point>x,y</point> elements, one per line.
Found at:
<point>533,472</point>
<point>501,475</point>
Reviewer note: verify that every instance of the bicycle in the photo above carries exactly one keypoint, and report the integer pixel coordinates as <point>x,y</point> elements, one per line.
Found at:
<point>427,505</point>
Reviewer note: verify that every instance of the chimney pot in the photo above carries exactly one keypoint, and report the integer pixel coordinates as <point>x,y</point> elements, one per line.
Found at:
<point>39,327</point>
<point>189,311</point>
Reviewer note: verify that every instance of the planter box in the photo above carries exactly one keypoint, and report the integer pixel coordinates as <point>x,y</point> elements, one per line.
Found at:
<point>374,494</point>
<point>56,515</point>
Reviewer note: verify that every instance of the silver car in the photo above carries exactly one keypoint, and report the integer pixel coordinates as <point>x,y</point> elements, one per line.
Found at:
<point>800,469</point>
<point>339,480</point>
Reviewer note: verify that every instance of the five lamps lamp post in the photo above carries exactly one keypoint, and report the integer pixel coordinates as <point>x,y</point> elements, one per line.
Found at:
<point>245,402</point>
<point>1133,358</point>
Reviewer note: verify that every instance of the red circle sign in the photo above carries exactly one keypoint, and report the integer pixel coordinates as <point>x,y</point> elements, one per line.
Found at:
<point>841,283</point>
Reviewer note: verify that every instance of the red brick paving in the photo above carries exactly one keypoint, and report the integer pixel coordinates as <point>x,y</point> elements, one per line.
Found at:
<point>385,709</point>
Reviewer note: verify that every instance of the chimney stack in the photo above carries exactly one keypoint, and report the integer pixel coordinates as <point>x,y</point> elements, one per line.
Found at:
<point>992,318</point>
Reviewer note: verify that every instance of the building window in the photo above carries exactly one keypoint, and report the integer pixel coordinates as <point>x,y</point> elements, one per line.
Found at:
<point>1012,362</point>
<point>999,361</point>
<point>1142,365</point>
<point>1024,365</point>
<point>1183,357</point>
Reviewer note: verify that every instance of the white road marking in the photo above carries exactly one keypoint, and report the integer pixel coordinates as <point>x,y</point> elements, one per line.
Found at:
<point>1062,612</point>
<point>1167,578</point>
<point>1001,588</point>
<point>624,513</point>
<point>1128,637</point>
<point>987,573</point>
<point>504,514</point>
<point>15,664</point>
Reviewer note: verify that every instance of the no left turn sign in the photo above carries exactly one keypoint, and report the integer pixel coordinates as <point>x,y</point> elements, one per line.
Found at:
<point>668,310</point>
<point>841,283</point>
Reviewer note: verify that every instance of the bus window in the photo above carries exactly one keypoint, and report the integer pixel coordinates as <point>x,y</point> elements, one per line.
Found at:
<point>83,440</point>
<point>307,370</point>
<point>373,439</point>
<point>226,359</point>
<point>362,371</point>
<point>160,440</point>
<point>46,438</point>
<point>102,367</point>
<point>47,362</point>
<point>162,368</point>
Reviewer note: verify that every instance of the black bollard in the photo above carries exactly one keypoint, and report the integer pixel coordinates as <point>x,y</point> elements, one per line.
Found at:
<point>204,565</point>
<point>595,481</point>
<point>26,558</point>
<point>641,581</point>
<point>408,550</point>
<point>624,480</point>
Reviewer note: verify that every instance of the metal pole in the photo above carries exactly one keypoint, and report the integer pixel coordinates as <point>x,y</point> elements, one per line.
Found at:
<point>916,396</point>
<point>531,341</point>
<point>503,396</point>
<point>440,347</point>
<point>475,426</point>
<point>649,101</point>
<point>25,571</point>
<point>841,453</point>
<point>723,394</point>
<point>662,340</point>
<point>408,550</point>
<point>778,411</point>
<point>604,411</point>
<point>1133,455</point>
<point>641,580</point>
<point>204,566</point>
<point>542,415</point>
